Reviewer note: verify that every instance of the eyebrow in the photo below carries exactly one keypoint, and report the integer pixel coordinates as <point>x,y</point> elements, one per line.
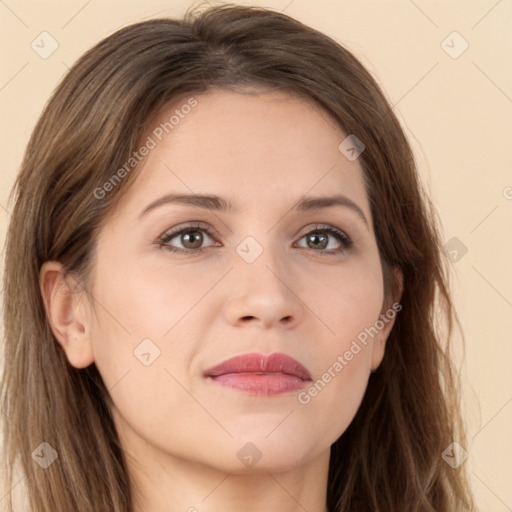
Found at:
<point>217,203</point>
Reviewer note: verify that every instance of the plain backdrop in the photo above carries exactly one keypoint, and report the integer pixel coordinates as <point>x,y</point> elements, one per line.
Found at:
<point>446,68</point>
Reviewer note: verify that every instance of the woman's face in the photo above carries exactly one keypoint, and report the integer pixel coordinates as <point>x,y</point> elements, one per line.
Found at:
<point>249,279</point>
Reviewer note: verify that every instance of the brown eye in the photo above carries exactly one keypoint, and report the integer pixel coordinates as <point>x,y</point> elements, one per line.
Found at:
<point>192,239</point>
<point>185,240</point>
<point>316,241</point>
<point>319,240</point>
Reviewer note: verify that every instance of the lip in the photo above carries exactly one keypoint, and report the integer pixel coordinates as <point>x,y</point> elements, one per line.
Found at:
<point>260,374</point>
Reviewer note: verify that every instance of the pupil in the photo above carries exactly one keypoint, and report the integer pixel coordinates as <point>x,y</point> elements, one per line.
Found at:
<point>194,234</point>
<point>314,238</point>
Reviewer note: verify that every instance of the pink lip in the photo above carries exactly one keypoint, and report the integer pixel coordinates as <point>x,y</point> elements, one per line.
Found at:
<point>260,374</point>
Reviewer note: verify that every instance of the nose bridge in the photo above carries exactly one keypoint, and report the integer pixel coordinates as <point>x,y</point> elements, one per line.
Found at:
<point>261,259</point>
<point>262,287</point>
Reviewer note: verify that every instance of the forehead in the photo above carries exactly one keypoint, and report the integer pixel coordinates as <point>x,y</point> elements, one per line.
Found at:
<point>272,146</point>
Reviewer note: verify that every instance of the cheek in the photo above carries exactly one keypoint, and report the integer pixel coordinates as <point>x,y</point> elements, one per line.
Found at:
<point>148,303</point>
<point>146,333</point>
<point>342,362</point>
<point>158,301</point>
<point>145,371</point>
<point>349,306</point>
<point>347,299</point>
<point>335,395</point>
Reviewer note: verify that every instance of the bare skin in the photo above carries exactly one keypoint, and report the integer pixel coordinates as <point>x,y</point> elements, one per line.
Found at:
<point>182,432</point>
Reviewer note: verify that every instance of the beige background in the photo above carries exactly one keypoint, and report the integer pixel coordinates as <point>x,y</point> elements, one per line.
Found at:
<point>457,113</point>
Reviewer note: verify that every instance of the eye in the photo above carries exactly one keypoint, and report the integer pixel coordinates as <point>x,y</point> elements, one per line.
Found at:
<point>318,239</point>
<point>191,237</point>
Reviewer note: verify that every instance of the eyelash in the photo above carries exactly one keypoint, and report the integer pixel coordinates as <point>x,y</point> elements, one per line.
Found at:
<point>335,232</point>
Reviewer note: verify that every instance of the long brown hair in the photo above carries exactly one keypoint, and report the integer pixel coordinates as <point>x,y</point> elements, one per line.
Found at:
<point>389,458</point>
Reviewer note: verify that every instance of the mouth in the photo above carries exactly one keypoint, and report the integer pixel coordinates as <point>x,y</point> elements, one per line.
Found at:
<point>260,374</point>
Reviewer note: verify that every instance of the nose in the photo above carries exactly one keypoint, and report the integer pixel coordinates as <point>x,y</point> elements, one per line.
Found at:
<point>263,293</point>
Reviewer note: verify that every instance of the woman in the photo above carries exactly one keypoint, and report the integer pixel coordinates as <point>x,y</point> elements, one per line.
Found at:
<point>220,283</point>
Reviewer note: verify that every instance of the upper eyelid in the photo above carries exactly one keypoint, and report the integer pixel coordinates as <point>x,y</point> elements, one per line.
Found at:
<point>190,227</point>
<point>212,232</point>
<point>171,233</point>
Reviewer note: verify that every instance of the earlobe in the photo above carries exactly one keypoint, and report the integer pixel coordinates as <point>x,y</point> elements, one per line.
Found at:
<point>66,314</point>
<point>399,278</point>
<point>379,342</point>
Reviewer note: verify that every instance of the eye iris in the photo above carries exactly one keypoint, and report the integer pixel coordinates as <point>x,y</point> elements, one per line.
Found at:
<point>194,237</point>
<point>314,239</point>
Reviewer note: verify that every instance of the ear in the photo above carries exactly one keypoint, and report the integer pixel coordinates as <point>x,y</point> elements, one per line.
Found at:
<point>67,314</point>
<point>387,318</point>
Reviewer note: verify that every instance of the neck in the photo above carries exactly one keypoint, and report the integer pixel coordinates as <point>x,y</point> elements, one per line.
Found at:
<point>170,484</point>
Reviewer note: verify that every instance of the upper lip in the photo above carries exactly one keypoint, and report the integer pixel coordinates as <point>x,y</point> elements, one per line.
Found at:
<point>255,362</point>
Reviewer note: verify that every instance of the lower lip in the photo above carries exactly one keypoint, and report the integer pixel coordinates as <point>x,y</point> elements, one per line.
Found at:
<point>266,384</point>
